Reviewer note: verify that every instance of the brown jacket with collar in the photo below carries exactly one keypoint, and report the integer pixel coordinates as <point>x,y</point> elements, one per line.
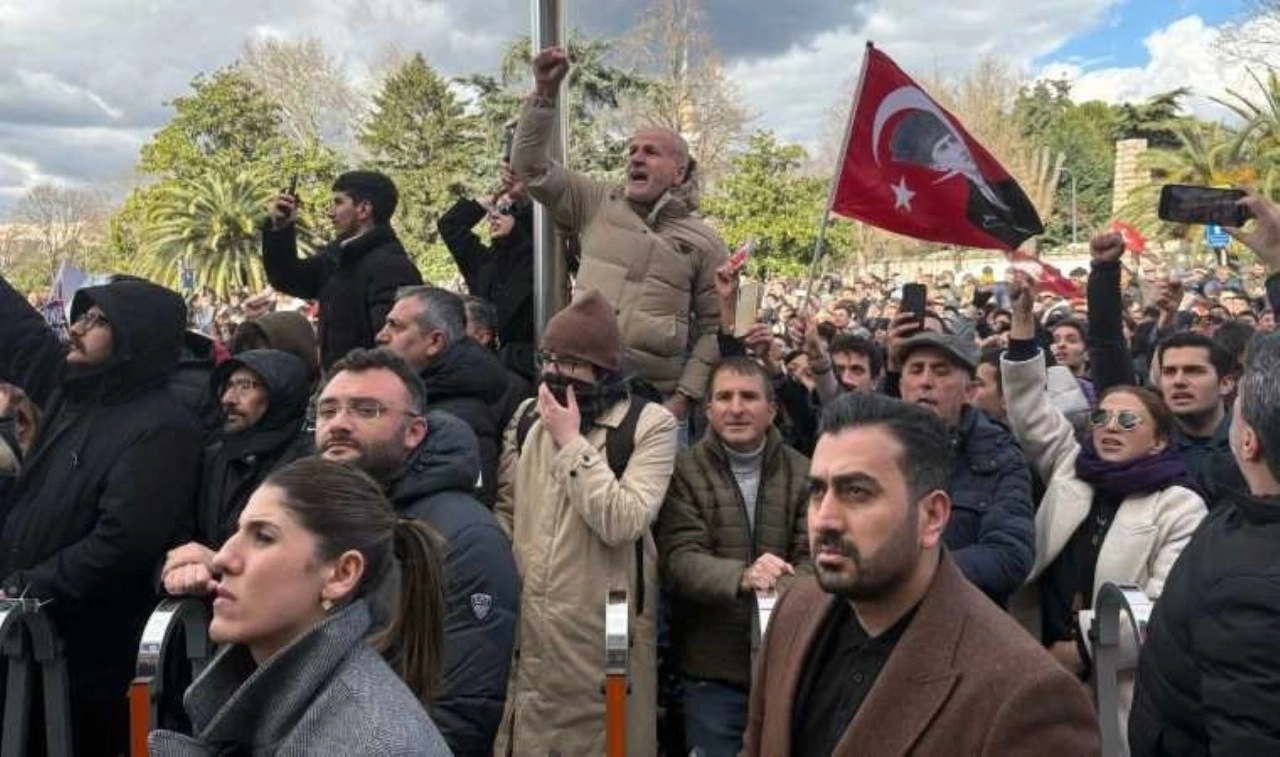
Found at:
<point>964,679</point>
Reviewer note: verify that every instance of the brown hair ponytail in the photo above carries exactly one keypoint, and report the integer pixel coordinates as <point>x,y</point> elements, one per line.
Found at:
<point>413,641</point>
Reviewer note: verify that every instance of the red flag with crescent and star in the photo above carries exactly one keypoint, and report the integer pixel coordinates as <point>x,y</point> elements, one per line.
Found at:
<point>911,168</point>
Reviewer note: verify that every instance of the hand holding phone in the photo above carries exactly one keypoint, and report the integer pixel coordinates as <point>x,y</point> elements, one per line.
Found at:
<point>915,300</point>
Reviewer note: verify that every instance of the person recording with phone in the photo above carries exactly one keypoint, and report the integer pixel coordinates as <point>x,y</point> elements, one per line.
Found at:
<point>355,277</point>
<point>500,272</point>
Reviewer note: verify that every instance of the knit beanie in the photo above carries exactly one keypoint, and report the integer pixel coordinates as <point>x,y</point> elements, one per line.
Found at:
<point>587,330</point>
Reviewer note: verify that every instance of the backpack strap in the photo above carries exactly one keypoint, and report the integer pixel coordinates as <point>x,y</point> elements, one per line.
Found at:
<point>619,443</point>
<point>525,424</point>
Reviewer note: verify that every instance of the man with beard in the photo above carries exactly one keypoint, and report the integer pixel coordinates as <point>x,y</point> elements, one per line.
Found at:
<point>889,650</point>
<point>356,276</point>
<point>580,520</point>
<point>264,400</point>
<point>107,488</point>
<point>371,414</point>
<point>427,329</point>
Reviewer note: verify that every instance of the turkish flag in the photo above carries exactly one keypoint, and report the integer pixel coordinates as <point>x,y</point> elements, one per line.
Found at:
<point>1133,240</point>
<point>1044,275</point>
<point>910,167</point>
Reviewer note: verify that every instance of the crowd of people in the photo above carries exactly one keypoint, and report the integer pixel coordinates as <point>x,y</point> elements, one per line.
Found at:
<point>849,527</point>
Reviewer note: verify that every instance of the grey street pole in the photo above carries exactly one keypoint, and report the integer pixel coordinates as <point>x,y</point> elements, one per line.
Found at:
<point>550,270</point>
<point>1074,235</point>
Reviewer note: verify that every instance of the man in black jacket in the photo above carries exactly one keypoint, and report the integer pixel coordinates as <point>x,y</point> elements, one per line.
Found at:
<point>371,415</point>
<point>501,273</point>
<point>355,277</point>
<point>264,396</point>
<point>427,329</point>
<point>1207,674</point>
<point>107,488</point>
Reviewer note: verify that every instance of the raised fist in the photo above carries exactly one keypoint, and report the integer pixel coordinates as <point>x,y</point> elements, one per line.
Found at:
<point>1106,248</point>
<point>550,66</point>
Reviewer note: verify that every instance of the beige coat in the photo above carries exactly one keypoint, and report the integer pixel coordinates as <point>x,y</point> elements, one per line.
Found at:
<point>1147,535</point>
<point>574,528</point>
<point>658,269</point>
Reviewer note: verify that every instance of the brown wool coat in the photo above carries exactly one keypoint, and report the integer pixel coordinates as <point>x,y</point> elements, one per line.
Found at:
<point>964,679</point>
<point>705,545</point>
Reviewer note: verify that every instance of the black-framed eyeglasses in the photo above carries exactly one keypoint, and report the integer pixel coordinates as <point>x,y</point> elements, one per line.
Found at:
<point>90,319</point>
<point>1126,420</point>
<point>545,359</point>
<point>363,409</point>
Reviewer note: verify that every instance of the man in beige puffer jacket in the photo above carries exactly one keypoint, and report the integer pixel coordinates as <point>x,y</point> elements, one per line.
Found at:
<point>642,247</point>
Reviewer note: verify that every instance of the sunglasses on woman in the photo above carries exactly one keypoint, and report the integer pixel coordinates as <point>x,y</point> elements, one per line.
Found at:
<point>1127,420</point>
<point>501,209</point>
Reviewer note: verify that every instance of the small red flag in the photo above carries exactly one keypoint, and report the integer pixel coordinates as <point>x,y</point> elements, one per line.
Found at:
<point>1044,275</point>
<point>1133,240</point>
<point>911,168</point>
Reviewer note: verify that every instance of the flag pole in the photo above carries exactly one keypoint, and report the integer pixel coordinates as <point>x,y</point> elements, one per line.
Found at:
<point>824,220</point>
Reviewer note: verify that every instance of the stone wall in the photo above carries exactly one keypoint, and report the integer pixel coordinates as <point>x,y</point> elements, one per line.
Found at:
<point>1129,174</point>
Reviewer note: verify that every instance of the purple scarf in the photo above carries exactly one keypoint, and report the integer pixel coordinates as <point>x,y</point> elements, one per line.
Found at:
<point>1138,476</point>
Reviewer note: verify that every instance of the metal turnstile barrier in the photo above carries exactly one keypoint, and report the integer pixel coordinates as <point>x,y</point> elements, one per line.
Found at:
<point>148,698</point>
<point>617,667</point>
<point>31,646</point>
<point>1121,614</point>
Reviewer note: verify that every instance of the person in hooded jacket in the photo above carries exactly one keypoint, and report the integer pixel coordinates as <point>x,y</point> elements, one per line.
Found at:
<point>427,329</point>
<point>284,330</point>
<point>264,396</point>
<point>501,272</point>
<point>107,488</point>
<point>356,276</point>
<point>371,415</point>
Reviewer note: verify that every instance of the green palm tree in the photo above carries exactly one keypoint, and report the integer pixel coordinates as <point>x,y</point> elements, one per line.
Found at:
<point>1203,156</point>
<point>210,223</point>
<point>1258,142</point>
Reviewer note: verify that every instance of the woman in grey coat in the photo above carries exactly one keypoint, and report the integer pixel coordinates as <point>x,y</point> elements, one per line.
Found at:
<point>295,675</point>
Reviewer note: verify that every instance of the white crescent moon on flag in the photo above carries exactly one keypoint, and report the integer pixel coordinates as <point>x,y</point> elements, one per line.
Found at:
<point>912,98</point>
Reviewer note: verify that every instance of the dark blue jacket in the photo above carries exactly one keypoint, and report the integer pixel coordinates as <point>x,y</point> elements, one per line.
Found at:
<point>992,530</point>
<point>483,589</point>
<point>1210,464</point>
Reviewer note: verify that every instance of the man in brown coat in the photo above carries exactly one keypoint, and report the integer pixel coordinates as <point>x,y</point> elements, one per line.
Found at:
<point>890,650</point>
<point>642,246</point>
<point>733,525</point>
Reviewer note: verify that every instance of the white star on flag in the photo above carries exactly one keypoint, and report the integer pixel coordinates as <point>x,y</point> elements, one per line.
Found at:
<point>902,195</point>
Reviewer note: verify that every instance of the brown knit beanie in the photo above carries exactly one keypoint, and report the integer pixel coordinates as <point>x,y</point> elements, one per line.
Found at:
<point>587,330</point>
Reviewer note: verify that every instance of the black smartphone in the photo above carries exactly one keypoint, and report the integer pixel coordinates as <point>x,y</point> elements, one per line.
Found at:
<point>293,185</point>
<point>914,300</point>
<point>508,138</point>
<point>1180,203</point>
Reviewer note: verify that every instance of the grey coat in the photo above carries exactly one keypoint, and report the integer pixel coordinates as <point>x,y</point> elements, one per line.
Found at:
<point>327,693</point>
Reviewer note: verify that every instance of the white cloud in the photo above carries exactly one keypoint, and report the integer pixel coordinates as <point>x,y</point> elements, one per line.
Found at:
<point>1183,54</point>
<point>794,91</point>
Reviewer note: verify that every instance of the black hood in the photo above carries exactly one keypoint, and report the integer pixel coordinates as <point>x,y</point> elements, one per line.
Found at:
<point>466,369</point>
<point>197,349</point>
<point>148,324</point>
<point>285,376</point>
<point>448,460</point>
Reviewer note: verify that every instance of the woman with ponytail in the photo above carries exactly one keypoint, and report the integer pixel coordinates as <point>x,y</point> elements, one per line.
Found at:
<point>292,589</point>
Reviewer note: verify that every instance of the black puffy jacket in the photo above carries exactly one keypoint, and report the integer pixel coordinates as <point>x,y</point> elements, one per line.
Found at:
<point>483,588</point>
<point>107,489</point>
<point>236,464</point>
<point>1208,672</point>
<point>468,382</point>
<point>355,283</point>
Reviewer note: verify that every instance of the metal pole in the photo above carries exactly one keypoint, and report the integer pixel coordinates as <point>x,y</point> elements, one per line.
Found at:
<point>550,270</point>
<point>1074,236</point>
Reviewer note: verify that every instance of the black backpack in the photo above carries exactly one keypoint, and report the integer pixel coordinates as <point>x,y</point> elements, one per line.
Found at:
<point>619,443</point>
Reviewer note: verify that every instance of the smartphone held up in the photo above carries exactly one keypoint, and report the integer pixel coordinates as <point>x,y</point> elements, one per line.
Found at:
<point>1181,203</point>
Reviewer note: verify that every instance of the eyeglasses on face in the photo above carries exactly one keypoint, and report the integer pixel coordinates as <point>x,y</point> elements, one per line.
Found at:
<point>546,359</point>
<point>502,208</point>
<point>90,319</point>
<point>241,385</point>
<point>363,409</point>
<point>1127,420</point>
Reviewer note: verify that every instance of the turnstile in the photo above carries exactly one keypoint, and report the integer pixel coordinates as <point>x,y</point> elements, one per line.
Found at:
<point>31,647</point>
<point>149,698</point>
<point>1121,614</point>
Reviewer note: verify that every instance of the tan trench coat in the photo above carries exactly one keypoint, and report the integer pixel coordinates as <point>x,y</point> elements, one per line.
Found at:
<point>574,528</point>
<point>657,270</point>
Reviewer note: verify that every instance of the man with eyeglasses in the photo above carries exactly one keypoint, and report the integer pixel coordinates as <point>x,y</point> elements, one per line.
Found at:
<point>263,395</point>
<point>579,508</point>
<point>107,488</point>
<point>371,414</point>
<point>502,271</point>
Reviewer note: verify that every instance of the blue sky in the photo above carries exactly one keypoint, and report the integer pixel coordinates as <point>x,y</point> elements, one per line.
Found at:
<point>1117,42</point>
